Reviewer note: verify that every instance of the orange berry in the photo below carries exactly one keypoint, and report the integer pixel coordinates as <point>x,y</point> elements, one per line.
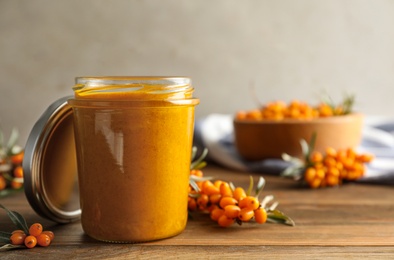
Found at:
<point>217,183</point>
<point>239,193</point>
<point>16,184</point>
<point>227,201</point>
<point>316,157</point>
<point>18,172</point>
<point>245,214</point>
<point>315,183</point>
<point>224,221</point>
<point>260,215</point>
<point>30,241</point>
<point>192,204</point>
<point>18,238</point>
<point>209,189</point>
<point>215,198</point>
<point>202,201</point>
<point>43,240</point>
<point>50,234</point>
<point>310,174</point>
<point>332,180</point>
<point>231,211</point>
<point>35,229</point>
<point>249,202</point>
<point>197,173</point>
<point>216,214</point>
<point>331,152</point>
<point>225,190</point>
<point>17,159</point>
<point>3,183</point>
<point>240,115</point>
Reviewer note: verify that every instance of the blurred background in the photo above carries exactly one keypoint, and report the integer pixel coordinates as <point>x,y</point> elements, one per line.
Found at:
<point>284,49</point>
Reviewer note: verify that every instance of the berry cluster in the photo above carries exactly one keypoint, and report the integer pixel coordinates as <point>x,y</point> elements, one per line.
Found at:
<point>35,237</point>
<point>279,110</point>
<point>11,172</point>
<point>225,204</point>
<point>333,167</point>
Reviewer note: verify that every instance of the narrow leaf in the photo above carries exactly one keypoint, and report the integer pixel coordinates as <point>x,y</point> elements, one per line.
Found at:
<point>12,141</point>
<point>250,188</point>
<point>17,219</point>
<point>277,216</point>
<point>4,237</point>
<point>10,247</point>
<point>200,159</point>
<point>260,186</point>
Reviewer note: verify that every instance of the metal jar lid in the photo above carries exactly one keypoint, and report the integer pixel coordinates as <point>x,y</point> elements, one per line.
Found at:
<point>50,167</point>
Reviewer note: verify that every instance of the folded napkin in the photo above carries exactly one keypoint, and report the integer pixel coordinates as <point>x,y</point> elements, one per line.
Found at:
<point>215,132</point>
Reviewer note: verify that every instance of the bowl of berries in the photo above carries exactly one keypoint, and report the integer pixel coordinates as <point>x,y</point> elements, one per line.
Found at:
<point>278,127</point>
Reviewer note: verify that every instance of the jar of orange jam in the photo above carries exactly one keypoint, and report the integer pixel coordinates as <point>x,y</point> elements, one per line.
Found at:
<point>133,139</point>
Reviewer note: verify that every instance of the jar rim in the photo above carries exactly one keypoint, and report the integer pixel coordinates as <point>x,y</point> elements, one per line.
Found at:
<point>126,80</point>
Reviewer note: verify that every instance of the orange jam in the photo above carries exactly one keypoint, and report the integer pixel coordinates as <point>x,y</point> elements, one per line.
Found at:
<point>133,140</point>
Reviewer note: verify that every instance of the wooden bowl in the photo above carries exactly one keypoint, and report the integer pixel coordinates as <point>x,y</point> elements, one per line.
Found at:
<point>256,140</point>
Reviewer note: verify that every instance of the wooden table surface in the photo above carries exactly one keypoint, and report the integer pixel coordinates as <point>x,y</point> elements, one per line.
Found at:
<point>354,220</point>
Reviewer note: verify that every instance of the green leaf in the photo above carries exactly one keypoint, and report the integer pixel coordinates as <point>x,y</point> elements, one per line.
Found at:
<point>266,200</point>
<point>276,216</point>
<point>12,141</point>
<point>250,188</point>
<point>10,247</point>
<point>5,237</point>
<point>17,219</point>
<point>200,159</point>
<point>260,186</point>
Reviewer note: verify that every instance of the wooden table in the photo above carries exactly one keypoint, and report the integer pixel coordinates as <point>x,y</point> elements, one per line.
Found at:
<point>355,220</point>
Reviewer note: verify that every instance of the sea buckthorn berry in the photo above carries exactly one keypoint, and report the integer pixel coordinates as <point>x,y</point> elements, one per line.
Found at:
<point>35,229</point>
<point>225,190</point>
<point>216,214</point>
<point>43,240</point>
<point>209,189</point>
<point>18,231</point>
<point>310,174</point>
<point>365,158</point>
<point>18,238</point>
<point>316,157</point>
<point>215,198</point>
<point>227,201</point>
<point>224,221</point>
<point>240,115</point>
<point>18,172</point>
<point>332,180</point>
<point>231,211</point>
<point>250,202</point>
<point>245,214</point>
<point>239,193</point>
<point>333,171</point>
<point>202,201</point>
<point>50,234</point>
<point>260,215</point>
<point>30,241</point>
<point>192,204</point>
<point>217,183</point>
<point>320,173</point>
<point>16,184</point>
<point>197,173</point>
<point>17,159</point>
<point>3,183</point>
<point>331,152</point>
<point>315,183</point>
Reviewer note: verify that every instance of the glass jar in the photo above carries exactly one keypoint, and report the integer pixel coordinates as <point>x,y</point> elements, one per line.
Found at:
<point>133,140</point>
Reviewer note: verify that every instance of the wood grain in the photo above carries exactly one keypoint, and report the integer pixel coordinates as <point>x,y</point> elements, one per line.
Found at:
<point>354,220</point>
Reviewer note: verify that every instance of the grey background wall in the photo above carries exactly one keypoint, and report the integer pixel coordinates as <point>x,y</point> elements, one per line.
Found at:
<point>286,49</point>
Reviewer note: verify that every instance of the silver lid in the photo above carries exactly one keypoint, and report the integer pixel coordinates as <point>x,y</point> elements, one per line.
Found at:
<point>50,167</point>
